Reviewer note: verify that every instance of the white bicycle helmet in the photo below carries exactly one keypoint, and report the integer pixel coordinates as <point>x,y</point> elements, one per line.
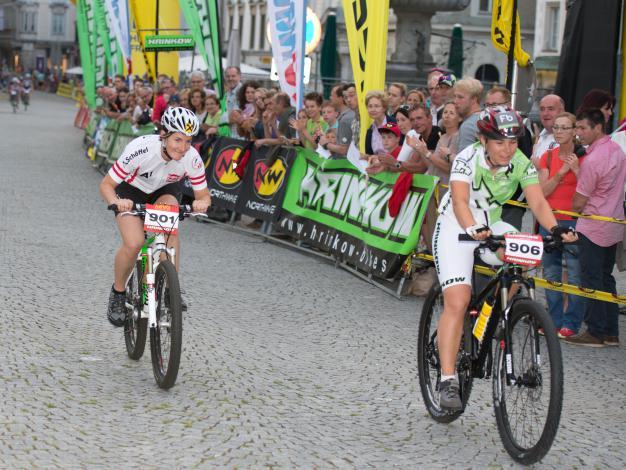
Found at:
<point>180,120</point>
<point>498,228</point>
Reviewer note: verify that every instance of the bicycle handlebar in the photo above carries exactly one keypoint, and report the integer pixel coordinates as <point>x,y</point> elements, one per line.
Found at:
<point>493,242</point>
<point>184,210</point>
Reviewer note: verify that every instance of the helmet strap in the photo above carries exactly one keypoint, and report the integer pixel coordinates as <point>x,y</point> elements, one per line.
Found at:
<point>165,153</point>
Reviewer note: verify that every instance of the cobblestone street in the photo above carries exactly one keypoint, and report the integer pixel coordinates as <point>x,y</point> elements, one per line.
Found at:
<point>287,362</point>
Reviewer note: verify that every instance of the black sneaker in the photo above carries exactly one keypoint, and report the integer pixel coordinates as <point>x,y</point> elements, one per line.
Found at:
<point>450,395</point>
<point>116,312</point>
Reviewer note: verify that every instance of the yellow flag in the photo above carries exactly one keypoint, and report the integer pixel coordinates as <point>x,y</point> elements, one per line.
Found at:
<point>367,23</point>
<point>143,14</point>
<point>501,24</point>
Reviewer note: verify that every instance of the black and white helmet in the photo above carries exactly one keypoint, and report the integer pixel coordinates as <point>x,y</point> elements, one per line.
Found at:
<point>180,120</point>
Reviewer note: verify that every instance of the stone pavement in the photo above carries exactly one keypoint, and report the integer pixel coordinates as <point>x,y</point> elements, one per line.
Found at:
<point>287,362</point>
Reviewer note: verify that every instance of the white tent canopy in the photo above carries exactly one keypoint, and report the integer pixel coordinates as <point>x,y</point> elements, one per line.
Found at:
<point>184,65</point>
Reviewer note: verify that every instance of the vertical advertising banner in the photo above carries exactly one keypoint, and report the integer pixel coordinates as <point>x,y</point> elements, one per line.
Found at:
<point>119,26</point>
<point>146,24</point>
<point>82,28</point>
<point>367,22</point>
<point>201,17</point>
<point>287,19</point>
<point>501,28</point>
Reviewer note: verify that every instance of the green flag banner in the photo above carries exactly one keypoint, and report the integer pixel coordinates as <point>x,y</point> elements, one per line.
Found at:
<point>82,27</point>
<point>102,57</point>
<point>332,206</point>
<point>201,17</point>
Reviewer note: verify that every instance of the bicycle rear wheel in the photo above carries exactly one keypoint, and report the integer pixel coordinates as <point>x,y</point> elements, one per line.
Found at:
<point>136,327</point>
<point>166,338</point>
<point>528,412</point>
<point>428,365</point>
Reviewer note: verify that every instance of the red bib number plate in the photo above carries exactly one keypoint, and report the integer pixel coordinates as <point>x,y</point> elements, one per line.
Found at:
<point>523,249</point>
<point>161,218</point>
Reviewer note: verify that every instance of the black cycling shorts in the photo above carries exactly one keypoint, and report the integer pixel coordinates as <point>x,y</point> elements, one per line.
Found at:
<point>126,191</point>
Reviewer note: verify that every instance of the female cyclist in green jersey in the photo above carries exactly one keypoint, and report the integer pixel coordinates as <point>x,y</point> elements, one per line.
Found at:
<point>483,177</point>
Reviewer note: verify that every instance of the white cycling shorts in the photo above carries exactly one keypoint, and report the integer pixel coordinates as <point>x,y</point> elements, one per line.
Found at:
<point>454,260</point>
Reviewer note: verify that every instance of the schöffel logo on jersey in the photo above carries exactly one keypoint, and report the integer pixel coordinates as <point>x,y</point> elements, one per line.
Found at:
<point>225,164</point>
<point>267,181</point>
<point>135,154</point>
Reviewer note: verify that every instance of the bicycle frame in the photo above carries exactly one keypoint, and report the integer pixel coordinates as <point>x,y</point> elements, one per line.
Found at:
<point>505,277</point>
<point>150,257</point>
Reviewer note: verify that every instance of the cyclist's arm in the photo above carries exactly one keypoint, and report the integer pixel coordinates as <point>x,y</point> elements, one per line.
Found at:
<point>539,206</point>
<point>202,200</point>
<point>107,190</point>
<point>460,193</point>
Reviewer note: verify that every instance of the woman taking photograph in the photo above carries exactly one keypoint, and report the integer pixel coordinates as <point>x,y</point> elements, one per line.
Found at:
<point>558,176</point>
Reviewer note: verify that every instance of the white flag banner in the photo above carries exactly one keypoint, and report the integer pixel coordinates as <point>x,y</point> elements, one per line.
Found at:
<point>287,19</point>
<point>118,20</point>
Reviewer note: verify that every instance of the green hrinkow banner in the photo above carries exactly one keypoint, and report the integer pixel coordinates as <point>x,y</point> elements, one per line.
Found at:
<point>82,26</point>
<point>331,205</point>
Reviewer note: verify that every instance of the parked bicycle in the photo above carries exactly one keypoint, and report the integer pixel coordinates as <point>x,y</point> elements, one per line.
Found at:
<point>527,367</point>
<point>153,293</point>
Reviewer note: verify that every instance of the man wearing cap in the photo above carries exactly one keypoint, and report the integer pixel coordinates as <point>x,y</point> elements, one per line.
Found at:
<point>445,86</point>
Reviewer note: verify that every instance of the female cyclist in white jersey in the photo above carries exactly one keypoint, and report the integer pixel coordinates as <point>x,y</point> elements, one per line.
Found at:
<point>482,178</point>
<point>149,171</point>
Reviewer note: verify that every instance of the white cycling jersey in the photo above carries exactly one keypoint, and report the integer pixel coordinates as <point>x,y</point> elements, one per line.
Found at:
<point>141,165</point>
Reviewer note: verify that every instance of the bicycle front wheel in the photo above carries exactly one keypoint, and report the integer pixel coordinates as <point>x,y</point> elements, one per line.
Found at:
<point>166,338</point>
<point>528,409</point>
<point>428,365</point>
<point>136,327</point>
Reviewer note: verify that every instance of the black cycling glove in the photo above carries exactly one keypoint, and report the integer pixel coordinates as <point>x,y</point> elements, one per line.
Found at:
<point>559,230</point>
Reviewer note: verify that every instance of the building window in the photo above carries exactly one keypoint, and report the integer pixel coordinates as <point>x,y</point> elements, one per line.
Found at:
<point>58,24</point>
<point>484,7</point>
<point>487,73</point>
<point>29,20</point>
<point>1,19</point>
<point>552,39</point>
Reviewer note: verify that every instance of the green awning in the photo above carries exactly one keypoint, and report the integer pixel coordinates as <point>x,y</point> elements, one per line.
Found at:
<point>547,62</point>
<point>328,66</point>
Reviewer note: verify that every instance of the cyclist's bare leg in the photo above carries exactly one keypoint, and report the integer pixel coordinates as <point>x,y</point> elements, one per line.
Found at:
<point>450,329</point>
<point>131,230</point>
<point>172,240</point>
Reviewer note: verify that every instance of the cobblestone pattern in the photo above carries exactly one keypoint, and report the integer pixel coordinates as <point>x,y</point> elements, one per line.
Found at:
<point>287,362</point>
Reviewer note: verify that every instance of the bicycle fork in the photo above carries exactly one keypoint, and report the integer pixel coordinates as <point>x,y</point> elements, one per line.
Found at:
<point>152,259</point>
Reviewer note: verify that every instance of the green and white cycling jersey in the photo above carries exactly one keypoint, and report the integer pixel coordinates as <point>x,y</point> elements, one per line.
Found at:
<point>488,191</point>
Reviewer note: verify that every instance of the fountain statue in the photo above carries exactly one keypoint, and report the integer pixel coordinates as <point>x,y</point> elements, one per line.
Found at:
<point>411,60</point>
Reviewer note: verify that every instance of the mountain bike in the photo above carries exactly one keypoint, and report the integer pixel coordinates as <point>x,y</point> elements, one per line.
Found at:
<point>15,101</point>
<point>25,96</point>
<point>511,336</point>
<point>153,293</point>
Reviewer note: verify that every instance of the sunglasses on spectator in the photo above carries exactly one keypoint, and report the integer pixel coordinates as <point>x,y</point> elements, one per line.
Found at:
<point>562,128</point>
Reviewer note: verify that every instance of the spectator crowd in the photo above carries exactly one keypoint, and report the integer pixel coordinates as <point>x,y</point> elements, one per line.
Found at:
<point>581,165</point>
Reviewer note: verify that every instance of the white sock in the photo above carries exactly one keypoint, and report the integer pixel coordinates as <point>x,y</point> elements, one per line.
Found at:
<point>447,377</point>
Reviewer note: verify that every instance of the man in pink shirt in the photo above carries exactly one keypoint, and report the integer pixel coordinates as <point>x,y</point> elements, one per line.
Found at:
<point>600,191</point>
